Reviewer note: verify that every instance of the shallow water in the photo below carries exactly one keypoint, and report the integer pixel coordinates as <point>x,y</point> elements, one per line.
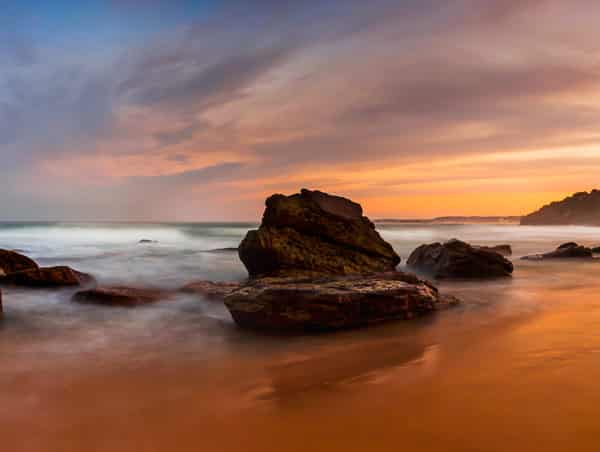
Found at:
<point>516,367</point>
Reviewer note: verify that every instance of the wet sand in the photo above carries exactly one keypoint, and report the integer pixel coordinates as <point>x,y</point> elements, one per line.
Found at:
<point>517,367</point>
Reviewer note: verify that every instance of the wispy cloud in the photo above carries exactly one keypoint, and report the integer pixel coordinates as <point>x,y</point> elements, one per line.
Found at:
<point>384,101</point>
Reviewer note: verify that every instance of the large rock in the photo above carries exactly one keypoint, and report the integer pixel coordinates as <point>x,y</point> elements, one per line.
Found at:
<point>11,261</point>
<point>288,304</point>
<point>456,259</point>
<point>47,277</point>
<point>119,296</point>
<point>570,250</point>
<point>581,208</point>
<point>313,233</point>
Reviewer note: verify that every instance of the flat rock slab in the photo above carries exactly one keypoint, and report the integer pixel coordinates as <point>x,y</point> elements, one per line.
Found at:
<point>119,296</point>
<point>47,277</point>
<point>287,305</point>
<point>213,290</point>
<point>221,250</point>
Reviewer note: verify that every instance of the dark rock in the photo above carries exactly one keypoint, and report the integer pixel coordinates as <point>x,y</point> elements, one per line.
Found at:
<point>596,250</point>
<point>119,296</point>
<point>505,250</point>
<point>456,259</point>
<point>11,261</point>
<point>211,289</point>
<point>313,233</point>
<point>146,241</point>
<point>581,209</point>
<point>569,250</point>
<point>330,303</point>
<point>47,277</point>
<point>222,250</point>
<point>568,246</point>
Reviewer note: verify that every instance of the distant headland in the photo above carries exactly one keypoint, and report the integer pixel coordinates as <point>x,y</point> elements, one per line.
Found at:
<point>456,220</point>
<point>582,208</point>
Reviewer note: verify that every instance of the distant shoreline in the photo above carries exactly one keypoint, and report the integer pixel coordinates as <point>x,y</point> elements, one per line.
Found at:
<point>454,220</point>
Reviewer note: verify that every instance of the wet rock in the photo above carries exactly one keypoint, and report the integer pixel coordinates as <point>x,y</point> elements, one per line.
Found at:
<point>456,259</point>
<point>222,251</point>
<point>505,250</point>
<point>119,296</point>
<point>11,261</point>
<point>596,250</point>
<point>330,303</point>
<point>48,277</point>
<point>313,233</point>
<point>570,250</point>
<point>147,241</point>
<point>211,289</point>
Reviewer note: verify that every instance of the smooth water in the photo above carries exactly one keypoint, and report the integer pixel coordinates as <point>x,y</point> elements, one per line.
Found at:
<point>516,367</point>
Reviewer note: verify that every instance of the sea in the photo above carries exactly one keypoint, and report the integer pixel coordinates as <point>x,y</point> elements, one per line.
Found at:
<point>516,367</point>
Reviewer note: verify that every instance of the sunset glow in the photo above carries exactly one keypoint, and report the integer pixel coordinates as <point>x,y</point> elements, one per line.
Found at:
<point>198,110</point>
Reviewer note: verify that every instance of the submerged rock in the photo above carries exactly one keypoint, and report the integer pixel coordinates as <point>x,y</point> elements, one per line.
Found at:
<point>456,259</point>
<point>570,250</point>
<point>330,303</point>
<point>211,289</point>
<point>222,250</point>
<point>147,241</point>
<point>505,250</point>
<point>119,296</point>
<point>313,233</point>
<point>48,277</point>
<point>11,261</point>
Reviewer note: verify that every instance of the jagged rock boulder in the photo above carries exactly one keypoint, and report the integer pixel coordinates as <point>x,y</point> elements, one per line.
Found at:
<point>570,250</point>
<point>47,277</point>
<point>212,290</point>
<point>505,250</point>
<point>456,259</point>
<point>11,261</point>
<point>119,296</point>
<point>313,233</point>
<point>330,303</point>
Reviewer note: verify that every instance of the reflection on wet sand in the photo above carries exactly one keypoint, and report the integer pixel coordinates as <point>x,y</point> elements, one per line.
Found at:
<point>515,368</point>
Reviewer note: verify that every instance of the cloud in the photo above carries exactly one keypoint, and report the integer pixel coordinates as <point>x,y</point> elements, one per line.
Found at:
<point>266,95</point>
<point>199,85</point>
<point>180,135</point>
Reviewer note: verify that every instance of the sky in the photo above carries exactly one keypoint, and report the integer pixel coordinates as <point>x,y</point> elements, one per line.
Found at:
<point>181,110</point>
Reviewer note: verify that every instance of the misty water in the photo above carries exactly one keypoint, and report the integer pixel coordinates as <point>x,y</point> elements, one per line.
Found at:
<point>515,367</point>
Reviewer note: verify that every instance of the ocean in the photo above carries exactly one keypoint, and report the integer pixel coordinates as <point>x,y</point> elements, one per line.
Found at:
<point>515,367</point>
